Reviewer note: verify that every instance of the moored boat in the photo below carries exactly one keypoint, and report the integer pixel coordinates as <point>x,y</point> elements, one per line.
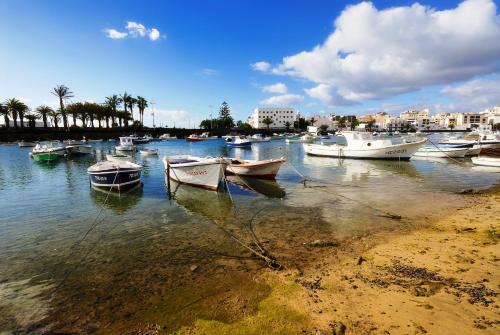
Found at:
<point>262,169</point>
<point>167,137</point>
<point>126,144</point>
<point>194,138</point>
<point>486,161</point>
<point>259,138</point>
<point>118,157</point>
<point>46,156</point>
<point>306,138</point>
<point>441,152</point>
<point>114,174</point>
<point>205,172</point>
<point>53,147</point>
<point>79,149</point>
<point>238,142</point>
<point>24,144</point>
<point>365,146</point>
<point>149,152</point>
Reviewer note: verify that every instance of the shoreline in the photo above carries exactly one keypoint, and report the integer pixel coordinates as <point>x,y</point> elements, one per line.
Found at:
<point>441,277</point>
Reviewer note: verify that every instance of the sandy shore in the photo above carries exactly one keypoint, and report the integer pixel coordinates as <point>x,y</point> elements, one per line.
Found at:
<point>443,278</point>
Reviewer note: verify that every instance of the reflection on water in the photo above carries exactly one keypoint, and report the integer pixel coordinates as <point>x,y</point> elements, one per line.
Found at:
<point>113,262</point>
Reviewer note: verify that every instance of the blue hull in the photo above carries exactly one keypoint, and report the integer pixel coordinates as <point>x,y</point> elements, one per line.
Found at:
<point>244,145</point>
<point>113,179</point>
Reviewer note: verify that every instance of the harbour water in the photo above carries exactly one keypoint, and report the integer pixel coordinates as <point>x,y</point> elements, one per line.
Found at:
<point>74,259</point>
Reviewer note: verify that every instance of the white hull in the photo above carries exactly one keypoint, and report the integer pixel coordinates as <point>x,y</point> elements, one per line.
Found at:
<point>125,148</point>
<point>474,151</point>
<point>442,152</point>
<point>79,149</point>
<point>115,158</point>
<point>401,151</point>
<point>486,161</point>
<point>151,152</point>
<point>204,172</point>
<point>263,169</point>
<point>24,144</point>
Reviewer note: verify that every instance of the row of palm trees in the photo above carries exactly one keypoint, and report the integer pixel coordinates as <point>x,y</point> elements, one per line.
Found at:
<point>86,112</point>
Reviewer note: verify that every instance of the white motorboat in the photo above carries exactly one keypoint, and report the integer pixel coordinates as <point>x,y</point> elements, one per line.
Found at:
<point>486,161</point>
<point>79,149</point>
<point>114,174</point>
<point>95,141</point>
<point>118,157</point>
<point>259,138</point>
<point>149,152</point>
<point>167,137</point>
<point>205,172</point>
<point>441,152</point>
<point>262,169</point>
<point>54,147</point>
<point>24,144</point>
<point>365,146</point>
<point>238,142</point>
<point>126,144</point>
<point>73,142</point>
<point>306,138</point>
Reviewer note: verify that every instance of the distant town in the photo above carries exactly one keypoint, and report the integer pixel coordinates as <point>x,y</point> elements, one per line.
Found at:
<point>411,120</point>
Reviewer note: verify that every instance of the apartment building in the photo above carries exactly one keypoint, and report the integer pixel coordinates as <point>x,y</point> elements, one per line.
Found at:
<point>280,116</point>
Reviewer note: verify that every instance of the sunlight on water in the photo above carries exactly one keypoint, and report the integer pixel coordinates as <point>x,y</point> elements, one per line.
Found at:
<point>148,257</point>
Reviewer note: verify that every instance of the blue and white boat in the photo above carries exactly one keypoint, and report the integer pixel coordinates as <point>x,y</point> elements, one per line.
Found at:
<point>238,142</point>
<point>114,174</point>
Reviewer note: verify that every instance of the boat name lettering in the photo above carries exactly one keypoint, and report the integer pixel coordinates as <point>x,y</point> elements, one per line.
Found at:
<point>392,152</point>
<point>100,178</point>
<point>198,173</point>
<point>133,175</point>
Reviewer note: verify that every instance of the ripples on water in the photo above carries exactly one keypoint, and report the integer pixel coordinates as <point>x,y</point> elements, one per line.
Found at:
<point>136,262</point>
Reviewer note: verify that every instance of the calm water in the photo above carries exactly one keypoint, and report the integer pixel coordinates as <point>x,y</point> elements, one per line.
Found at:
<point>72,261</point>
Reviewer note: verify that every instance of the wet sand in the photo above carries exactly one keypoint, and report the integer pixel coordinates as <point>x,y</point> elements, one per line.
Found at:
<point>438,277</point>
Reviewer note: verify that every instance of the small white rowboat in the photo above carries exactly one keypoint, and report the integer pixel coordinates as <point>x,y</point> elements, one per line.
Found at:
<point>262,169</point>
<point>486,161</point>
<point>441,152</point>
<point>197,171</point>
<point>149,152</point>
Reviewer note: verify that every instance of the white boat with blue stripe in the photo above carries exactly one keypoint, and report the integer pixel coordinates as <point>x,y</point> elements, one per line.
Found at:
<point>114,174</point>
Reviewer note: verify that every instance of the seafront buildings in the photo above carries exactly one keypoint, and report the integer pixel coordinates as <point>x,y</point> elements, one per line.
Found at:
<point>418,119</point>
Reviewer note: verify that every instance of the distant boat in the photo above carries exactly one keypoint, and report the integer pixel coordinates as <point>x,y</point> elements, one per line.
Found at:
<point>139,140</point>
<point>149,152</point>
<point>195,138</point>
<point>126,144</point>
<point>238,142</point>
<point>365,146</point>
<point>259,138</point>
<point>306,138</point>
<point>118,157</point>
<point>79,149</point>
<point>24,144</point>
<point>167,137</point>
<point>252,168</point>
<point>95,141</point>
<point>441,152</point>
<point>486,161</point>
<point>116,174</point>
<point>205,172</point>
<point>73,142</point>
<point>47,152</point>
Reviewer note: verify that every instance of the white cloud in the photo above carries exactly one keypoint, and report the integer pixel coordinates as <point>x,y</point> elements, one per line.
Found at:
<point>283,100</point>
<point>474,95</point>
<point>115,34</point>
<point>279,88</point>
<point>209,72</point>
<point>373,54</point>
<point>261,66</point>
<point>154,34</point>
<point>171,115</point>
<point>134,30</point>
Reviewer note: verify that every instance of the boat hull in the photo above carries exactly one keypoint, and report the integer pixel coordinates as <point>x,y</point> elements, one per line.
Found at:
<point>45,157</point>
<point>486,161</point>
<point>239,145</point>
<point>201,174</point>
<point>125,148</point>
<point>402,151</point>
<point>118,179</point>
<point>188,139</point>
<point>79,150</point>
<point>118,158</point>
<point>444,153</point>
<point>261,169</point>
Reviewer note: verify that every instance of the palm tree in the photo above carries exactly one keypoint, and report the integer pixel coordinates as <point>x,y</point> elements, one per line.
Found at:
<point>42,112</point>
<point>312,121</point>
<point>124,98</point>
<point>63,93</point>
<point>32,120</point>
<point>5,112</point>
<point>22,111</point>
<point>131,103</point>
<point>267,121</point>
<point>55,115</point>
<point>142,104</point>
<point>112,102</point>
<point>15,106</point>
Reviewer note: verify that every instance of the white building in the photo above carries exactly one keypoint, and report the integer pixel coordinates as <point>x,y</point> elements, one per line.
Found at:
<point>279,116</point>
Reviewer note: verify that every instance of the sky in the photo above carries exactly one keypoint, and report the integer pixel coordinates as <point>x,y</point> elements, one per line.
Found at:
<point>319,57</point>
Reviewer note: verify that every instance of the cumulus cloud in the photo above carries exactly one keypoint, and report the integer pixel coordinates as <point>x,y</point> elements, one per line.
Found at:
<point>134,30</point>
<point>209,72</point>
<point>283,100</point>
<point>261,66</point>
<point>115,34</point>
<point>474,95</point>
<point>374,54</point>
<point>279,88</point>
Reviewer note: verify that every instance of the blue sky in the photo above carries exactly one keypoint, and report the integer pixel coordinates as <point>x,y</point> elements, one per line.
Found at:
<point>206,48</point>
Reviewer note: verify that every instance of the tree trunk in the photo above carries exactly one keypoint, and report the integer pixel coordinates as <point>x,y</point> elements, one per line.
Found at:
<point>107,121</point>
<point>21,117</point>
<point>7,121</point>
<point>63,113</point>
<point>44,117</point>
<point>14,118</point>
<point>74,120</point>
